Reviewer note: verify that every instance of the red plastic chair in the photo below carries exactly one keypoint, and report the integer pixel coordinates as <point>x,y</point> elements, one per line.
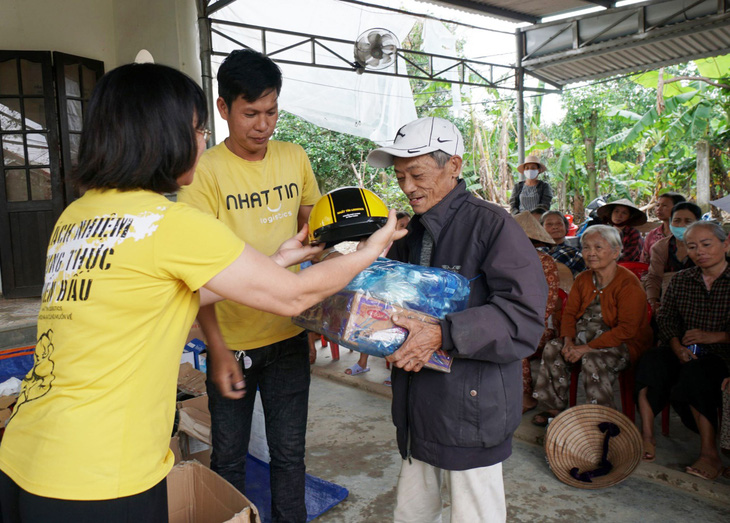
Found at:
<point>626,386</point>
<point>638,268</point>
<point>334,348</point>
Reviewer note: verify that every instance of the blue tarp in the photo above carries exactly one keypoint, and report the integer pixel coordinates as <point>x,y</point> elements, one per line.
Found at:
<point>15,363</point>
<point>319,495</point>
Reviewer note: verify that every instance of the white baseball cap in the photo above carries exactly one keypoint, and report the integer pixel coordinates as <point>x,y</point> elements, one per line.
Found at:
<point>419,137</point>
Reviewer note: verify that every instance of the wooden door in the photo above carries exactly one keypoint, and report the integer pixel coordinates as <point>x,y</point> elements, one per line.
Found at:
<point>76,78</point>
<point>31,187</point>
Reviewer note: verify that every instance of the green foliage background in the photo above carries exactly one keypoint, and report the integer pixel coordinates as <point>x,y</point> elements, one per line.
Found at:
<point>612,140</point>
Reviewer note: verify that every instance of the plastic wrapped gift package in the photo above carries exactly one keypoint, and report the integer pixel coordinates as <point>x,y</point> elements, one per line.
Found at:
<point>358,317</point>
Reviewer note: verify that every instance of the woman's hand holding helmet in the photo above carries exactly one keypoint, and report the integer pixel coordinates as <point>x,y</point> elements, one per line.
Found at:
<point>293,251</point>
<point>381,239</point>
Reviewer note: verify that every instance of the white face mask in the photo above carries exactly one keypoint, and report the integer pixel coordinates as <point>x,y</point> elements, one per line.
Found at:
<point>531,174</point>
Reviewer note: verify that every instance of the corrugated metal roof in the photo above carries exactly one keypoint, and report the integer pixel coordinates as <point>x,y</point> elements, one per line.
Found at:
<point>520,10</point>
<point>615,41</point>
<point>674,43</point>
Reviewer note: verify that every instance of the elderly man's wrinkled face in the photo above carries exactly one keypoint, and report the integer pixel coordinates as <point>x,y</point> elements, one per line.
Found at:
<point>424,182</point>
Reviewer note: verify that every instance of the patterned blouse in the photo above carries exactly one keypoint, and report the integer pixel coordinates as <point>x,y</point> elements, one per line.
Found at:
<point>688,304</point>
<point>632,244</point>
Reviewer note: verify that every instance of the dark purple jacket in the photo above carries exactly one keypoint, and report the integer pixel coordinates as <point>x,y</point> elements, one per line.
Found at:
<point>465,419</point>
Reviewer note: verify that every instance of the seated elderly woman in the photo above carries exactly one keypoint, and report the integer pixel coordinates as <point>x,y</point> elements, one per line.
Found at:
<point>556,226</point>
<point>669,255</point>
<point>690,368</point>
<point>605,326</point>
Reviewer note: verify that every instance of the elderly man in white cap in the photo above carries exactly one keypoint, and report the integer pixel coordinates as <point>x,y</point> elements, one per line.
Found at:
<point>457,427</point>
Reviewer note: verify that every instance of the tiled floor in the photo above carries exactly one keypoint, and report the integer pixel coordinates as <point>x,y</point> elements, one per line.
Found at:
<point>18,313</point>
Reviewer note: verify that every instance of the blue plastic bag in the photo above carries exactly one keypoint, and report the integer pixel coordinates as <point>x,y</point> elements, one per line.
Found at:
<point>358,317</point>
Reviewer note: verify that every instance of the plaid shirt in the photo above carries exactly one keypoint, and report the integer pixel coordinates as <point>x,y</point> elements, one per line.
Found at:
<point>688,304</point>
<point>632,245</point>
<point>651,238</point>
<point>566,255</point>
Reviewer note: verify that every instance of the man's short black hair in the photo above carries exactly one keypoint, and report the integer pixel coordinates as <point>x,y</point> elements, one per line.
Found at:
<point>689,206</point>
<point>674,196</point>
<point>138,130</point>
<point>249,74</point>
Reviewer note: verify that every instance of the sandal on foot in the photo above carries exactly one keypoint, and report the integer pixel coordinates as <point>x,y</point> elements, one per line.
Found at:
<point>704,469</point>
<point>649,454</point>
<point>388,383</point>
<point>541,420</point>
<point>356,369</point>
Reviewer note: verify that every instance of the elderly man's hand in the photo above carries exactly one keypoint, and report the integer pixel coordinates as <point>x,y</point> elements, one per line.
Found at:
<point>423,340</point>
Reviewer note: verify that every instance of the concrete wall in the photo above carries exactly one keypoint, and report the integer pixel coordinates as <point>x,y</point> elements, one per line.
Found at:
<point>166,28</point>
<point>79,27</point>
<point>112,31</point>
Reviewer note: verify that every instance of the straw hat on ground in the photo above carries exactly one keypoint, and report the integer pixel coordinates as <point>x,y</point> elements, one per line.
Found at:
<point>637,217</point>
<point>532,159</point>
<point>574,442</point>
<point>533,229</point>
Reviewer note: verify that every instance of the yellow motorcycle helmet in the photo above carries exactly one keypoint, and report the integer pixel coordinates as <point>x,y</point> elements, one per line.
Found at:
<point>347,213</point>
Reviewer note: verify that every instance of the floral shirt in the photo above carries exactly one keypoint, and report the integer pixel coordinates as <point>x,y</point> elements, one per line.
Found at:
<point>651,238</point>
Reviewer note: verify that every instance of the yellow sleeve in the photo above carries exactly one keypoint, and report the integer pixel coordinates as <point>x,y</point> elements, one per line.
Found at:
<point>203,193</point>
<point>193,246</point>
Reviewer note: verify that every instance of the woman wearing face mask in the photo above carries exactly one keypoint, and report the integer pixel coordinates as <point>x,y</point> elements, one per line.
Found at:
<point>531,193</point>
<point>624,215</point>
<point>669,255</point>
<point>663,212</point>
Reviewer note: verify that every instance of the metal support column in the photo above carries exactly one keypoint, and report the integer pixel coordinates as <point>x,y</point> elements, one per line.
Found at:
<point>703,175</point>
<point>206,50</point>
<point>520,85</point>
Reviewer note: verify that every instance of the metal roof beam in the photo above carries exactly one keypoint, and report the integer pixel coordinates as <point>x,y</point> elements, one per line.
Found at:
<point>217,6</point>
<point>603,3</point>
<point>490,10</point>
<point>469,72</point>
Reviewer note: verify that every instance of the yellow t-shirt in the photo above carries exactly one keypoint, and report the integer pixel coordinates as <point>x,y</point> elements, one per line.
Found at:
<point>259,201</point>
<point>95,413</point>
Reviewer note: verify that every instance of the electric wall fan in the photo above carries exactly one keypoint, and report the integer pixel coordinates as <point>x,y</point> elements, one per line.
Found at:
<point>375,49</point>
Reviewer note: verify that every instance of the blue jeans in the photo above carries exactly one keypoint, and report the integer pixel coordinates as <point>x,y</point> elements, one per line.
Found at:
<point>281,373</point>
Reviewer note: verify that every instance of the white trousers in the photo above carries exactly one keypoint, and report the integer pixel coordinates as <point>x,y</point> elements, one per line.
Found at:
<point>477,495</point>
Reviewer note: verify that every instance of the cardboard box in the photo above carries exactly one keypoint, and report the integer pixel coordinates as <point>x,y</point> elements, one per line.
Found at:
<point>191,381</point>
<point>193,429</point>
<point>196,332</point>
<point>175,448</point>
<point>193,354</point>
<point>6,408</point>
<point>196,494</point>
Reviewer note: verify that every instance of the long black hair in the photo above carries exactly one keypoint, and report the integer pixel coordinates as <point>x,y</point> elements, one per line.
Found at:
<point>138,129</point>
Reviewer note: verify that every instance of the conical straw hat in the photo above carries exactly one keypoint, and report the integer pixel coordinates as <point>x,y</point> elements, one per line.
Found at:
<point>573,440</point>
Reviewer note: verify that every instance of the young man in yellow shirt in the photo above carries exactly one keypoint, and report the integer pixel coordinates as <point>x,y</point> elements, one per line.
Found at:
<point>264,191</point>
